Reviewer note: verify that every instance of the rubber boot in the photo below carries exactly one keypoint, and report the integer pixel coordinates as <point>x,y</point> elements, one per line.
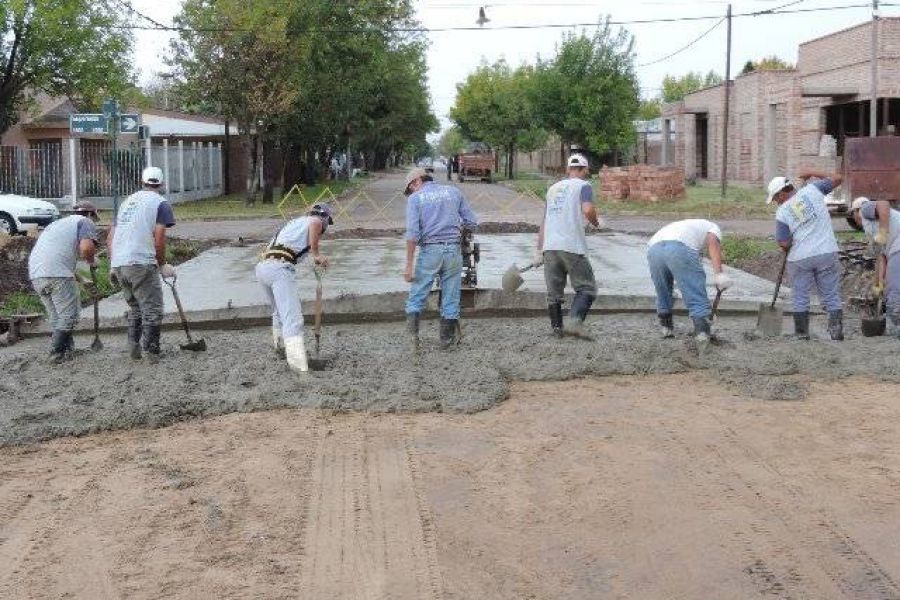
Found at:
<point>556,318</point>
<point>801,325</point>
<point>295,352</point>
<point>449,331</point>
<point>701,329</point>
<point>836,325</point>
<point>134,338</point>
<point>59,349</point>
<point>151,342</point>
<point>895,321</point>
<point>278,342</point>
<point>581,304</point>
<point>412,329</point>
<point>667,326</point>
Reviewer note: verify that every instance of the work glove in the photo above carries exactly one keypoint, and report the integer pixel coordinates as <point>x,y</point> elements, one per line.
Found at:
<point>722,281</point>
<point>881,237</point>
<point>321,261</point>
<point>878,289</point>
<point>537,259</point>
<point>167,271</point>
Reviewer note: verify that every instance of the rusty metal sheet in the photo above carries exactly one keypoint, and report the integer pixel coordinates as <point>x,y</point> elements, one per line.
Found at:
<point>872,167</point>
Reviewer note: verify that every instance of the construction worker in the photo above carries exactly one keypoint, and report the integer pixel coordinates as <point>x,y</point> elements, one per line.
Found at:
<point>276,273</point>
<point>562,247</point>
<point>435,217</point>
<point>674,257</point>
<point>138,260</point>
<point>51,268</point>
<point>803,230</point>
<point>882,225</point>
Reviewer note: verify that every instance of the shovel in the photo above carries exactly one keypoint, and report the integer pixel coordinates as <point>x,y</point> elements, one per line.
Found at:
<point>769,320</point>
<point>193,345</point>
<point>317,363</point>
<point>96,344</point>
<point>512,278</point>
<point>875,326</point>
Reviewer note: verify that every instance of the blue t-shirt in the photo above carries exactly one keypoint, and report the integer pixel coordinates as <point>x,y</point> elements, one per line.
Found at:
<point>804,221</point>
<point>435,214</point>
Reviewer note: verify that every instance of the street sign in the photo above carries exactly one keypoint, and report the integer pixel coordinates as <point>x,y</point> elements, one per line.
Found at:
<point>129,123</point>
<point>110,108</point>
<point>87,123</point>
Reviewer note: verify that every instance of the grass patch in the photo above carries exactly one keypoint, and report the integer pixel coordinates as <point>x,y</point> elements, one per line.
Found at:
<point>851,236</point>
<point>736,250</point>
<point>18,303</point>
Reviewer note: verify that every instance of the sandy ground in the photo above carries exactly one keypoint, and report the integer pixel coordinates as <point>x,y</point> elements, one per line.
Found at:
<point>641,487</point>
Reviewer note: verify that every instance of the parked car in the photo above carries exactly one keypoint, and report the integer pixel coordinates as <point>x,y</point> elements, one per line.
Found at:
<point>20,213</point>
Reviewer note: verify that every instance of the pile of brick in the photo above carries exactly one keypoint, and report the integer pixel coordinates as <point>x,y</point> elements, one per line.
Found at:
<point>641,183</point>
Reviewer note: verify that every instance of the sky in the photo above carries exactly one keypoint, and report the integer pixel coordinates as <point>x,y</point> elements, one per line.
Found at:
<point>452,55</point>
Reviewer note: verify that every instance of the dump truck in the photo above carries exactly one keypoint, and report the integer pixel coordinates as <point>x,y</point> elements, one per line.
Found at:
<point>476,165</point>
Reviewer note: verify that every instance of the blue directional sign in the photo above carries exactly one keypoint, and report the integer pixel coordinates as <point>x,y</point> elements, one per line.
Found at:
<point>129,123</point>
<point>110,108</point>
<point>87,123</point>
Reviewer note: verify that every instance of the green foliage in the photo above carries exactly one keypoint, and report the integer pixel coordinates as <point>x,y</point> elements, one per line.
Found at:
<point>650,109</point>
<point>104,287</point>
<point>736,250</point>
<point>676,88</point>
<point>451,142</point>
<point>769,63</point>
<point>21,303</point>
<point>72,48</point>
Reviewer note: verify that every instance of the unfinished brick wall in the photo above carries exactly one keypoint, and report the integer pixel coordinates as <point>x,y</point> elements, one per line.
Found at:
<point>642,183</point>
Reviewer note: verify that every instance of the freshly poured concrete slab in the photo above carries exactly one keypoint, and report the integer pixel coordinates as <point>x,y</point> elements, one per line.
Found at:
<point>221,281</point>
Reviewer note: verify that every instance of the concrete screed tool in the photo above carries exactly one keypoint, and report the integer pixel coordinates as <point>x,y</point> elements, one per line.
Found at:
<point>193,345</point>
<point>769,320</point>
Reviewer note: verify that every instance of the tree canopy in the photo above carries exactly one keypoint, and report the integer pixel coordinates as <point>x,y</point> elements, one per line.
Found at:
<point>74,48</point>
<point>769,63</point>
<point>675,89</point>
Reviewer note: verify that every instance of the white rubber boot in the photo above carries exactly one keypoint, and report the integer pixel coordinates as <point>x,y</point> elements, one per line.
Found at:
<point>296,353</point>
<point>278,342</point>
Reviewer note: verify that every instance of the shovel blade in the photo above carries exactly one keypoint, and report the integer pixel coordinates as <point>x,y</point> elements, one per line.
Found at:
<point>512,280</point>
<point>769,320</point>
<point>195,346</point>
<point>318,364</point>
<point>96,344</point>
<point>873,327</point>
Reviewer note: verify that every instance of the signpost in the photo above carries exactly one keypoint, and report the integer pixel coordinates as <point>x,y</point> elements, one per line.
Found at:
<point>87,123</point>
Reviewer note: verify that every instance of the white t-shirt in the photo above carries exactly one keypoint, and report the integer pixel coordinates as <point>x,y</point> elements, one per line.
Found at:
<point>690,232</point>
<point>563,220</point>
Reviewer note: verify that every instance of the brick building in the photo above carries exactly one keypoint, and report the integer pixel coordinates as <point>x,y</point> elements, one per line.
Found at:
<point>788,120</point>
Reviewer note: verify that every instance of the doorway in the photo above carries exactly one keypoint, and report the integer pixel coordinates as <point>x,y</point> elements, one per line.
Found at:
<point>701,129</point>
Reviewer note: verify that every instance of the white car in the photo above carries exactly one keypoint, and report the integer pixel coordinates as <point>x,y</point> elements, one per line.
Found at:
<point>20,213</point>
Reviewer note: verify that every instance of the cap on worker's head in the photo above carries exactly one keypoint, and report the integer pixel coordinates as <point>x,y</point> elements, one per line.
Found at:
<point>858,203</point>
<point>776,185</point>
<point>152,176</point>
<point>414,174</point>
<point>84,208</point>
<point>577,161</point>
<point>322,209</point>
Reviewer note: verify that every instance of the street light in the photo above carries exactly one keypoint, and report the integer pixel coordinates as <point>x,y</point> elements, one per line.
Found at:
<point>482,18</point>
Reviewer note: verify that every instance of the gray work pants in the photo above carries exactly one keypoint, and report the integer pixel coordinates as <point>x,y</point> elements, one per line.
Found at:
<point>142,290</point>
<point>60,298</point>
<point>823,272</point>
<point>892,286</point>
<point>560,265</point>
<point>279,282</point>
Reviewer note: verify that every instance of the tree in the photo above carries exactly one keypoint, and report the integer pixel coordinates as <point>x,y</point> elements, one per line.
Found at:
<point>588,93</point>
<point>72,48</point>
<point>650,109</point>
<point>769,63</point>
<point>451,142</point>
<point>676,88</point>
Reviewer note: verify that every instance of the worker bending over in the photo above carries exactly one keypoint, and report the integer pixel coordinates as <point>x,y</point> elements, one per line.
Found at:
<point>882,225</point>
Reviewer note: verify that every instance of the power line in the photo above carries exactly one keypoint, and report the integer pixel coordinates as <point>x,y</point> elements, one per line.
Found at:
<point>683,48</point>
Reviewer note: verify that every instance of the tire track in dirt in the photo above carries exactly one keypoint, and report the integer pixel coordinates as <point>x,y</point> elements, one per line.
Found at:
<point>368,534</point>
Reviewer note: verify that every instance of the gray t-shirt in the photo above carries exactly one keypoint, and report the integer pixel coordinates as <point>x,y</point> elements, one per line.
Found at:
<point>563,218</point>
<point>870,225</point>
<point>139,214</point>
<point>57,249</point>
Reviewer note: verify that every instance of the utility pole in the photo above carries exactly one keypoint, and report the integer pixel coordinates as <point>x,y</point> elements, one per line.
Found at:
<point>873,104</point>
<point>727,89</point>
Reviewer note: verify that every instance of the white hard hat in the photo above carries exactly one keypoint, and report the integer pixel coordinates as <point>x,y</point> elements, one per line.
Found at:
<point>578,160</point>
<point>776,185</point>
<point>858,203</point>
<point>415,173</point>
<point>152,176</point>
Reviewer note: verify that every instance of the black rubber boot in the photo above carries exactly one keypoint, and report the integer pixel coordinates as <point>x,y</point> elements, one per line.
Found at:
<point>134,338</point>
<point>59,346</point>
<point>151,342</point>
<point>836,325</point>
<point>667,326</point>
<point>581,304</point>
<point>895,321</point>
<point>701,328</point>
<point>449,331</point>
<point>556,318</point>
<point>801,325</point>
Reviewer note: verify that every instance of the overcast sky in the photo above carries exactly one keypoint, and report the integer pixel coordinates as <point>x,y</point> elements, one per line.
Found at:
<point>453,54</point>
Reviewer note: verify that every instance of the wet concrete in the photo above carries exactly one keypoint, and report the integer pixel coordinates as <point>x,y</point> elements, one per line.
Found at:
<point>373,371</point>
<point>223,278</point>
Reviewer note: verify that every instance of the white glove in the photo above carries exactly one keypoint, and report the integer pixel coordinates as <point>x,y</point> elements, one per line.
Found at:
<point>167,271</point>
<point>537,259</point>
<point>722,281</point>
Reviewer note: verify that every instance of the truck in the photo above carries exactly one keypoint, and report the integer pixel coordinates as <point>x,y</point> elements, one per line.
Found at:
<point>476,165</point>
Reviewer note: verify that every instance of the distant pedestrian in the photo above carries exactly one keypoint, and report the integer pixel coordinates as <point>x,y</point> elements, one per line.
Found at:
<point>276,272</point>
<point>562,246</point>
<point>435,217</point>
<point>674,257</point>
<point>137,258</point>
<point>882,225</point>
<point>51,268</point>
<point>803,229</point>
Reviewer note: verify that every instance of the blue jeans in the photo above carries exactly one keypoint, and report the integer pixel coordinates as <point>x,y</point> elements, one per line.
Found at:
<point>823,271</point>
<point>444,260</point>
<point>674,263</point>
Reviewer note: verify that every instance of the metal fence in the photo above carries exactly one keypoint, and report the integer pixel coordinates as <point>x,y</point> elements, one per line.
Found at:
<point>96,173</point>
<point>39,171</point>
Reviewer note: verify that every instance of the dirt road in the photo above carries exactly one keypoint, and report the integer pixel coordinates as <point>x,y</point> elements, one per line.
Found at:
<point>662,486</point>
